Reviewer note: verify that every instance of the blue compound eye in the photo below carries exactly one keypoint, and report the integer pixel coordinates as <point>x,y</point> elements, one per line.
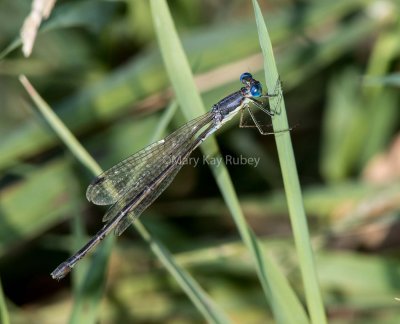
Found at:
<point>245,77</point>
<point>256,90</point>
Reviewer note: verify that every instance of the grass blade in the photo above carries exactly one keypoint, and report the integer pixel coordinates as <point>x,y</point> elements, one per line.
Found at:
<point>285,305</point>
<point>291,181</point>
<point>66,136</point>
<point>89,293</point>
<point>165,119</point>
<point>4,317</point>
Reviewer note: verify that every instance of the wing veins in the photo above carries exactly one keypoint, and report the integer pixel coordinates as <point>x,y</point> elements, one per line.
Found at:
<point>114,183</point>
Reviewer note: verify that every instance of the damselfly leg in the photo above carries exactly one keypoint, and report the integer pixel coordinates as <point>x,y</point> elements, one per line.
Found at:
<point>274,101</point>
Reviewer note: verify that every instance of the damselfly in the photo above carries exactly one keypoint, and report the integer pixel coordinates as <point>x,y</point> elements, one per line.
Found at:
<point>133,184</point>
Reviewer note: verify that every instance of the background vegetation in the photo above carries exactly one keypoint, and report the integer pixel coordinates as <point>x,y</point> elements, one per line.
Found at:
<point>98,65</point>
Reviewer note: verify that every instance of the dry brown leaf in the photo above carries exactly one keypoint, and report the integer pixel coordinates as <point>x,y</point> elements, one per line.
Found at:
<point>41,9</point>
<point>384,167</point>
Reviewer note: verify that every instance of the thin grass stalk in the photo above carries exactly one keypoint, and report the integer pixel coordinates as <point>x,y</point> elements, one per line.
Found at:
<point>285,305</point>
<point>291,179</point>
<point>4,316</point>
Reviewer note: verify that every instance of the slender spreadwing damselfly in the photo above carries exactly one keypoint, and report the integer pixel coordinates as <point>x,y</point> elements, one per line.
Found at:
<point>133,184</point>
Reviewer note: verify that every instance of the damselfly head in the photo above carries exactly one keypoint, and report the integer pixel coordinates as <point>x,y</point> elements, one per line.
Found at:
<point>253,87</point>
<point>246,78</point>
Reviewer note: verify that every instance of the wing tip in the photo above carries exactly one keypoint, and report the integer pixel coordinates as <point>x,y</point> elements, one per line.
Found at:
<point>89,192</point>
<point>97,180</point>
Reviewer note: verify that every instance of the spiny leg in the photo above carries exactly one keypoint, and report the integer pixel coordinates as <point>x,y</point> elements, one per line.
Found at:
<point>256,122</point>
<point>241,123</point>
<point>259,126</point>
<point>279,93</point>
<point>276,93</point>
<point>268,95</point>
<point>277,90</point>
<point>259,105</point>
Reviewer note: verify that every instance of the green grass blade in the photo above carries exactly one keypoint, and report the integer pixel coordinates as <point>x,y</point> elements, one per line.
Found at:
<point>164,121</point>
<point>89,293</point>
<point>291,181</point>
<point>200,299</point>
<point>4,317</point>
<point>90,288</point>
<point>66,136</point>
<point>387,80</point>
<point>285,305</point>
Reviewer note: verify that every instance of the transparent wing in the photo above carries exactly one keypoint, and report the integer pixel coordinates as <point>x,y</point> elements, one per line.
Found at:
<point>134,203</point>
<point>254,117</point>
<point>139,201</point>
<point>146,202</point>
<point>132,174</point>
<point>124,201</point>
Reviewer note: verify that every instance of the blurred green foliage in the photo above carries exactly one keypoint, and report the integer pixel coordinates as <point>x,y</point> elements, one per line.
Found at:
<point>98,65</point>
